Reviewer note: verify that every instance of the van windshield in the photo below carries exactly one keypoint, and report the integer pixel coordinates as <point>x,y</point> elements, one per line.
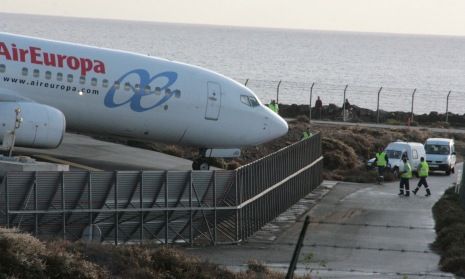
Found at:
<point>393,154</point>
<point>437,149</point>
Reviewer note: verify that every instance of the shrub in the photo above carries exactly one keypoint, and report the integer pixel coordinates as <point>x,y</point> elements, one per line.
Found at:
<point>24,256</point>
<point>450,229</point>
<point>448,212</point>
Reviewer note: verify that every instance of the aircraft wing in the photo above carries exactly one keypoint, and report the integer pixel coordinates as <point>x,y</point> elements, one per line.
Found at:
<point>12,96</point>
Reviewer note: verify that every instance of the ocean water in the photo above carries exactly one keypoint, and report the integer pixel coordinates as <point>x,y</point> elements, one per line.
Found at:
<point>331,60</point>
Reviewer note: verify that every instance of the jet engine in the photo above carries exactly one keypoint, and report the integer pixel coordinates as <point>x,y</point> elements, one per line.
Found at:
<point>37,125</point>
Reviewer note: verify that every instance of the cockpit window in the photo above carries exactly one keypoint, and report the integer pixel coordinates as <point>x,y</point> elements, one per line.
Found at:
<point>249,100</point>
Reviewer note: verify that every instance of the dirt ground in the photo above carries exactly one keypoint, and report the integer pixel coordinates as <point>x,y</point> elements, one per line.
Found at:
<point>345,149</point>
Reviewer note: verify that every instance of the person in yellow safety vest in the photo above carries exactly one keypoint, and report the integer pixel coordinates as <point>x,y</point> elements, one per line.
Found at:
<point>405,175</point>
<point>274,106</point>
<point>381,161</point>
<point>306,135</point>
<point>423,170</point>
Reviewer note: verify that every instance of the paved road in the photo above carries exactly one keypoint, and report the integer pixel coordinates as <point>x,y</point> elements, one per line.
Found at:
<point>87,152</point>
<point>356,231</point>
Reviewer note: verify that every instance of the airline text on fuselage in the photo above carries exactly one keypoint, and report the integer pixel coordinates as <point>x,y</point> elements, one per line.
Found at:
<point>35,55</point>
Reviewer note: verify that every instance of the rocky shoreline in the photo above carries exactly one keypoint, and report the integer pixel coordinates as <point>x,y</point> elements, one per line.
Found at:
<point>358,114</point>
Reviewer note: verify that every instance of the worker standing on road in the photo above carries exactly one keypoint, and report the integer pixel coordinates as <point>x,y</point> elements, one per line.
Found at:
<point>306,135</point>
<point>319,107</point>
<point>381,161</point>
<point>423,170</point>
<point>405,175</point>
<point>274,106</point>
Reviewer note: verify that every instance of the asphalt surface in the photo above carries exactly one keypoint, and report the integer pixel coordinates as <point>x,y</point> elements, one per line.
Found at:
<point>356,231</point>
<point>83,152</point>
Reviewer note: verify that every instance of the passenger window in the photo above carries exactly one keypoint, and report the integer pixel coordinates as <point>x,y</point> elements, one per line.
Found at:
<point>167,91</point>
<point>93,81</point>
<point>137,86</point>
<point>116,85</point>
<point>157,90</point>
<point>415,154</point>
<point>59,76</point>
<point>35,73</point>
<point>48,75</point>
<point>105,83</point>
<point>147,89</point>
<point>24,71</point>
<point>127,85</point>
<point>82,79</point>
<point>2,68</point>
<point>177,93</point>
<point>70,78</point>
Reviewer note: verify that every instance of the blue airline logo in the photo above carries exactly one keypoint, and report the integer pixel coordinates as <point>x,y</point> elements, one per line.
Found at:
<point>135,101</point>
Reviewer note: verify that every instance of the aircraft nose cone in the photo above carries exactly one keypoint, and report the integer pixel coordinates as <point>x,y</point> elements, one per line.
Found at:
<point>280,126</point>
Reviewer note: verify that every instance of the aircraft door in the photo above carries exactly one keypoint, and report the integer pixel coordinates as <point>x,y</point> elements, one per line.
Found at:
<point>213,101</point>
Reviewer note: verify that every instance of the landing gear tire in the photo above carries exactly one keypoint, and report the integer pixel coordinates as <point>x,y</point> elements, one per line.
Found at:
<point>200,164</point>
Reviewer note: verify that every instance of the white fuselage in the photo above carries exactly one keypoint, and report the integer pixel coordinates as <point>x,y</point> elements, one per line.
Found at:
<point>104,91</point>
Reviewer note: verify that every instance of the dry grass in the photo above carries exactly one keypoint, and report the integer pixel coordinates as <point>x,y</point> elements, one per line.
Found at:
<point>23,256</point>
<point>345,149</point>
<point>450,230</point>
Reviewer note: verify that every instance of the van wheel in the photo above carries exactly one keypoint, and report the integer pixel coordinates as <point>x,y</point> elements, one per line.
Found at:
<point>453,170</point>
<point>448,172</point>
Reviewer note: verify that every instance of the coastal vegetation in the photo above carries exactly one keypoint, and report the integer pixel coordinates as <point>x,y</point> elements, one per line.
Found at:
<point>24,256</point>
<point>346,149</point>
<point>450,233</point>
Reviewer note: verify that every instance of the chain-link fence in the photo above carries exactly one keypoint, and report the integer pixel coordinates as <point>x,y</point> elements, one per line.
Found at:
<point>413,100</point>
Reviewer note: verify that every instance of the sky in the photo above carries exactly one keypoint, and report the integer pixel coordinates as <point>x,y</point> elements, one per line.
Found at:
<point>438,17</point>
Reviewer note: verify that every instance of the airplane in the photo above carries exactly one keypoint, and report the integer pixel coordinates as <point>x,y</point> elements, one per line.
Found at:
<point>55,86</point>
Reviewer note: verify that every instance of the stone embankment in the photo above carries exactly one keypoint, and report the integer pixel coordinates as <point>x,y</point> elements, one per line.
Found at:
<point>358,114</point>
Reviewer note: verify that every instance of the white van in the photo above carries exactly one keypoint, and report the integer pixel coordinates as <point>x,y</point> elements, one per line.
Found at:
<point>440,154</point>
<point>396,150</point>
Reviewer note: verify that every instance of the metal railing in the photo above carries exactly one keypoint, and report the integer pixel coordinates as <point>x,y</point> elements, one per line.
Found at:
<point>194,207</point>
<point>376,98</point>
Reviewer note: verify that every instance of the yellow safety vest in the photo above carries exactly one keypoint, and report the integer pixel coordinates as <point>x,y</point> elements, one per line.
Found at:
<point>407,171</point>
<point>274,107</point>
<point>381,159</point>
<point>424,169</point>
<point>306,135</point>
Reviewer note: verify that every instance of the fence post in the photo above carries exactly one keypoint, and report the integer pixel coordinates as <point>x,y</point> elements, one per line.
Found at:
<point>298,247</point>
<point>277,92</point>
<point>344,104</point>
<point>413,98</point>
<point>7,201</point>
<point>310,107</point>
<point>377,108</point>
<point>246,81</point>
<point>447,107</point>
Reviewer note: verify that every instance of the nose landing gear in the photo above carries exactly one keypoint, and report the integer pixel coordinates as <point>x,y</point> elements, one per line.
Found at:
<point>201,162</point>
